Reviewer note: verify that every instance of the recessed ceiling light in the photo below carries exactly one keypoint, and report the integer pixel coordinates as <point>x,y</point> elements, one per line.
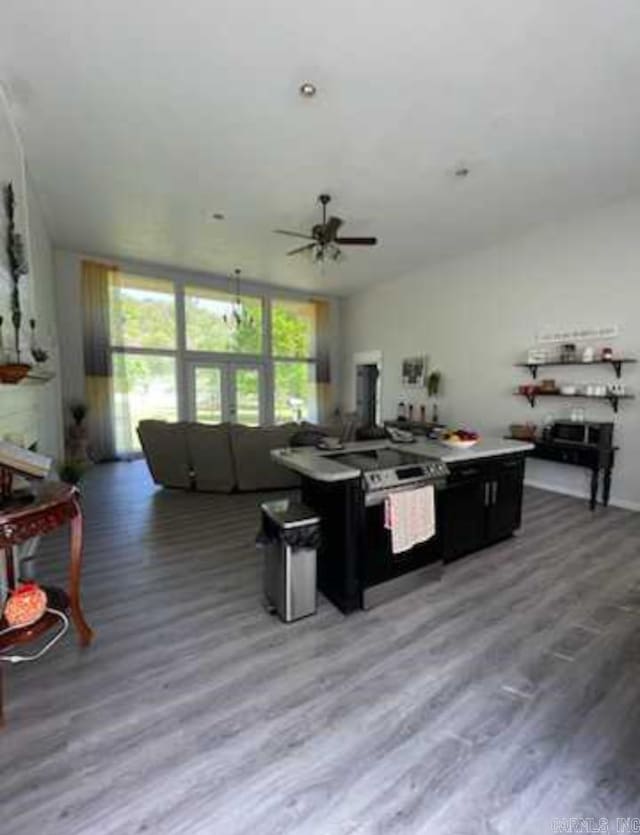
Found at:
<point>307,90</point>
<point>462,171</point>
<point>217,216</point>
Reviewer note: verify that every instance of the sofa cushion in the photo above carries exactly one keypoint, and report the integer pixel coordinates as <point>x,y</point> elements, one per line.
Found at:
<point>165,448</point>
<point>211,458</point>
<point>255,469</point>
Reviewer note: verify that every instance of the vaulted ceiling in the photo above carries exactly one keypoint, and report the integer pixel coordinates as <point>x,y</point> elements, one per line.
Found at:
<point>141,119</point>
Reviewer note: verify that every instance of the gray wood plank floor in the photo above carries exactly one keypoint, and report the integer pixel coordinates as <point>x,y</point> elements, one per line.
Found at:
<point>493,702</point>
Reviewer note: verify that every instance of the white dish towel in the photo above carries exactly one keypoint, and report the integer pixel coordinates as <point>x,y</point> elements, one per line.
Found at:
<point>410,516</point>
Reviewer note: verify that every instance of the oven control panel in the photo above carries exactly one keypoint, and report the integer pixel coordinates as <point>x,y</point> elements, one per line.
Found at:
<point>429,471</point>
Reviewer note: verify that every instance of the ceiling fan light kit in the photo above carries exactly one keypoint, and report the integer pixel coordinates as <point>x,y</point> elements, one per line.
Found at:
<point>325,245</point>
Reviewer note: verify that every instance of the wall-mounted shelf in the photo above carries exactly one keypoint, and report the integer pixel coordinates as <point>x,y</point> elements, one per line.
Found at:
<point>613,399</point>
<point>38,377</point>
<point>616,363</point>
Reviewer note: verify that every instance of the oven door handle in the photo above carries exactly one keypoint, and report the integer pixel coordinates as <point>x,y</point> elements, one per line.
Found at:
<point>377,497</point>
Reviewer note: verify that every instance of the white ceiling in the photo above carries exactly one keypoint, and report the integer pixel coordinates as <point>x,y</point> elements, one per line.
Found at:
<point>142,118</point>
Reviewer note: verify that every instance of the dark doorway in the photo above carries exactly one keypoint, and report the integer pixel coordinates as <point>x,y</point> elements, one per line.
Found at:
<point>366,393</point>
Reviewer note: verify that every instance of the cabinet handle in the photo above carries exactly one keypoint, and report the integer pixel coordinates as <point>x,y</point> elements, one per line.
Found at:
<point>487,493</point>
<point>495,492</point>
<point>469,472</point>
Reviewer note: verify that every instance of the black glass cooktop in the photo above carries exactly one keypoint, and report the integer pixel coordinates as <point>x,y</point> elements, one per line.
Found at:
<point>377,459</point>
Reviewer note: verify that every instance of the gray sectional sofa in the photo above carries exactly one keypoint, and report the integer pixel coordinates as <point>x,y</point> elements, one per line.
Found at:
<point>218,459</point>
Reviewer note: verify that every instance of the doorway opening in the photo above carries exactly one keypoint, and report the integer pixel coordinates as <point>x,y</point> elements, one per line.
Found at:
<point>368,374</point>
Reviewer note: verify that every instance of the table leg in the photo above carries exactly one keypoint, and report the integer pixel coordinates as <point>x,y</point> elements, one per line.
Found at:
<point>595,473</point>
<point>1,698</point>
<point>606,487</point>
<point>85,633</point>
<point>10,567</point>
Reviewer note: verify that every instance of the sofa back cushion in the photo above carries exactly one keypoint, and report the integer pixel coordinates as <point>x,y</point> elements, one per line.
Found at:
<point>165,448</point>
<point>255,469</point>
<point>211,458</point>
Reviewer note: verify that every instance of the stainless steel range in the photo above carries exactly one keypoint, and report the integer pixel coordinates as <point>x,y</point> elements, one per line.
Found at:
<point>381,573</point>
<point>387,470</point>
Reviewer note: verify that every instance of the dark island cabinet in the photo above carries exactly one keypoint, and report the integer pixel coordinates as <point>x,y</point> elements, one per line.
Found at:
<point>505,499</point>
<point>481,504</point>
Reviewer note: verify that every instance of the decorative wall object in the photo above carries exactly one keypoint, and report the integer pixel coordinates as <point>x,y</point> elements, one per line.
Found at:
<point>18,266</point>
<point>578,334</point>
<point>414,371</point>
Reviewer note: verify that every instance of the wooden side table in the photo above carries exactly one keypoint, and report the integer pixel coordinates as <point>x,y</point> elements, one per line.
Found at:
<point>55,504</point>
<point>596,459</point>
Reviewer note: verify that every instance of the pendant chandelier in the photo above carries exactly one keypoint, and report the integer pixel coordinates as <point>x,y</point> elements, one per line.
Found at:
<point>238,316</point>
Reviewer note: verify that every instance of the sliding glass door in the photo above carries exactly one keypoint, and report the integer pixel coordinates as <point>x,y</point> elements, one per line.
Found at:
<point>226,391</point>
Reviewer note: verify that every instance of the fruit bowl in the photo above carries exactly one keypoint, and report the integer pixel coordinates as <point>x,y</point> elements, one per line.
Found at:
<point>459,438</point>
<point>458,444</point>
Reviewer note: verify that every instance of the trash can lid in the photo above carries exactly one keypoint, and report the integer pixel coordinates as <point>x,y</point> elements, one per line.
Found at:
<point>287,513</point>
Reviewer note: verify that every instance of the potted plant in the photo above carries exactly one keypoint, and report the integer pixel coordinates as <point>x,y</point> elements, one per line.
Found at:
<point>71,471</point>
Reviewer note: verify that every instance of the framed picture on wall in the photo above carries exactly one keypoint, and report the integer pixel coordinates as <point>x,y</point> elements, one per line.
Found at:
<point>414,372</point>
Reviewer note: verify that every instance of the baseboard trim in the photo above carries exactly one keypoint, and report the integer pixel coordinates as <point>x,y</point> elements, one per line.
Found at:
<point>578,494</point>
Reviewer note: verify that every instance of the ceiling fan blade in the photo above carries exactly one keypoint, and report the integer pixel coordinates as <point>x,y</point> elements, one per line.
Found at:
<point>357,241</point>
<point>301,249</point>
<point>293,234</point>
<point>331,227</point>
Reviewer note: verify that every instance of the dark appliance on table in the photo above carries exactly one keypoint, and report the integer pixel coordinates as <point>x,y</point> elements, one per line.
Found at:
<point>581,432</point>
<point>583,444</point>
<point>356,566</point>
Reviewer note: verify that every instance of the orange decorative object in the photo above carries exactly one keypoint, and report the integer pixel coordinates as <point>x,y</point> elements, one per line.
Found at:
<point>25,605</point>
<point>13,372</point>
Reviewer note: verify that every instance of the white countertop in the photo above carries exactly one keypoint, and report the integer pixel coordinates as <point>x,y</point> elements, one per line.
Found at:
<point>314,463</point>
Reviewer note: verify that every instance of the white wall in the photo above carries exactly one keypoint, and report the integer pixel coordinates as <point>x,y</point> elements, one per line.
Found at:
<point>28,412</point>
<point>475,316</point>
<point>68,301</point>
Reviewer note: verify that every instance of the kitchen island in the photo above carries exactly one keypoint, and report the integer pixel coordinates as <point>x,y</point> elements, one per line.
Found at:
<point>478,498</point>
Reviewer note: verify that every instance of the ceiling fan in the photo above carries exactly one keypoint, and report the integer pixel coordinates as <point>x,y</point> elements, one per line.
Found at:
<point>325,242</point>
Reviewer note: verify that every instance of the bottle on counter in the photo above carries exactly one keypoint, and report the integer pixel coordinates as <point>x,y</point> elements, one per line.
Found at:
<point>410,411</point>
<point>423,413</point>
<point>402,411</point>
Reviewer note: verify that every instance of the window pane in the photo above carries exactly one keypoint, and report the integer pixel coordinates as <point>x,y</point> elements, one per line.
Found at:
<point>142,312</point>
<point>143,387</point>
<point>295,391</point>
<point>248,396</point>
<point>208,395</point>
<point>293,325</point>
<point>212,325</point>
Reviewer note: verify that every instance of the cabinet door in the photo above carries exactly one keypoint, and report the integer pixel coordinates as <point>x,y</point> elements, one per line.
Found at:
<point>505,511</point>
<point>463,518</point>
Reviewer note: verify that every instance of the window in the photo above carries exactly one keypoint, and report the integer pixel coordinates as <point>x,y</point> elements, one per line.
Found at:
<point>247,387</point>
<point>293,326</point>
<point>293,338</point>
<point>142,327</point>
<point>224,368</point>
<point>208,394</point>
<point>294,391</point>
<point>144,387</point>
<point>206,329</point>
<point>142,312</point>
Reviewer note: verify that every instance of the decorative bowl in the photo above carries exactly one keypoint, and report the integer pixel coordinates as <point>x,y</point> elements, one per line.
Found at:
<point>459,444</point>
<point>13,372</point>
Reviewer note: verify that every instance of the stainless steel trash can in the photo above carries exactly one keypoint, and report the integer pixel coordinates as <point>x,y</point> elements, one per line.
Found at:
<point>290,536</point>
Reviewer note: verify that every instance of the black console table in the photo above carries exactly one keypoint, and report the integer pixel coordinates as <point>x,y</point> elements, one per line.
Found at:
<point>595,458</point>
